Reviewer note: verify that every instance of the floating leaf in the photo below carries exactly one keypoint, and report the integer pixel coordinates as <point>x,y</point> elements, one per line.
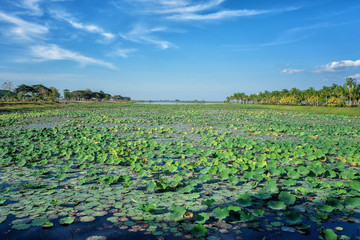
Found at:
<point>202,218</point>
<point>198,231</point>
<point>328,234</point>
<point>287,198</point>
<point>221,213</point>
<point>208,202</point>
<point>66,221</point>
<point>21,226</point>
<point>244,200</point>
<point>277,205</point>
<point>292,217</point>
<point>352,202</point>
<point>87,219</point>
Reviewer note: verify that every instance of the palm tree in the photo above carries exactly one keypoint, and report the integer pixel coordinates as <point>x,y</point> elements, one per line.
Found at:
<point>339,92</point>
<point>356,93</point>
<point>350,84</point>
<point>326,92</point>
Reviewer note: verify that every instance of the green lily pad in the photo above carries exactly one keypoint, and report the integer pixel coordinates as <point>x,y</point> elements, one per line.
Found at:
<point>21,226</point>
<point>287,198</point>
<point>87,219</point>
<point>292,217</point>
<point>244,200</point>
<point>198,231</point>
<point>66,221</point>
<point>352,202</point>
<point>39,222</point>
<point>3,219</point>
<point>208,202</point>
<point>202,218</point>
<point>277,205</point>
<point>113,219</point>
<point>221,213</point>
<point>328,234</point>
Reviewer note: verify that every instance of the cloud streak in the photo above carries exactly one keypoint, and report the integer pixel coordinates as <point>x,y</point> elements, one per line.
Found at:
<point>32,6</point>
<point>52,52</point>
<point>337,66</point>
<point>190,10</point>
<point>217,15</point>
<point>91,28</point>
<point>357,76</point>
<point>22,30</point>
<point>290,71</point>
<point>124,53</point>
<point>144,35</point>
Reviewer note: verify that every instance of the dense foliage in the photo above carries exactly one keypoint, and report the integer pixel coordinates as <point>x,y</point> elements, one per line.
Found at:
<point>40,92</point>
<point>334,95</point>
<point>200,170</point>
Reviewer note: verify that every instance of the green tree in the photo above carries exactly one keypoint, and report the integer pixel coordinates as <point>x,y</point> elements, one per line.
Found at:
<point>67,94</point>
<point>326,92</point>
<point>54,94</point>
<point>350,84</point>
<point>7,86</point>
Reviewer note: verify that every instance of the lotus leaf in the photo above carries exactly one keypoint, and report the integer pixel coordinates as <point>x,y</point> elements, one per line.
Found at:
<point>292,217</point>
<point>244,200</point>
<point>277,205</point>
<point>221,213</point>
<point>66,221</point>
<point>198,231</point>
<point>202,218</point>
<point>328,234</point>
<point>21,226</point>
<point>352,202</point>
<point>287,198</point>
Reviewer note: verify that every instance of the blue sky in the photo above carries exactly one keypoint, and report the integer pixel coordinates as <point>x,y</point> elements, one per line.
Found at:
<point>179,49</point>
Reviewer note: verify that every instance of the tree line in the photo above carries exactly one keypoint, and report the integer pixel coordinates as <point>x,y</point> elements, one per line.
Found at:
<point>40,92</point>
<point>334,95</point>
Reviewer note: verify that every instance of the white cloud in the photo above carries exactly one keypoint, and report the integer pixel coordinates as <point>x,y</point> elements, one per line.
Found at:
<point>217,15</point>
<point>141,34</point>
<point>186,10</point>
<point>357,76</point>
<point>291,71</point>
<point>78,25</point>
<point>32,6</point>
<point>186,7</point>
<point>22,30</point>
<point>338,66</point>
<point>124,52</point>
<point>54,52</point>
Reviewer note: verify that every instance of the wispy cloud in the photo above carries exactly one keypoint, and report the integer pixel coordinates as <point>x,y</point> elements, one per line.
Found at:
<point>217,15</point>
<point>142,34</point>
<point>53,52</point>
<point>32,7</point>
<point>191,10</point>
<point>357,76</point>
<point>21,29</point>
<point>291,71</point>
<point>184,6</point>
<point>124,52</point>
<point>289,36</point>
<point>338,66</point>
<point>58,14</point>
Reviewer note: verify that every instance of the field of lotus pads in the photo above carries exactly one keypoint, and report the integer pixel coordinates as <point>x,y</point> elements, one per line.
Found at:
<point>179,171</point>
